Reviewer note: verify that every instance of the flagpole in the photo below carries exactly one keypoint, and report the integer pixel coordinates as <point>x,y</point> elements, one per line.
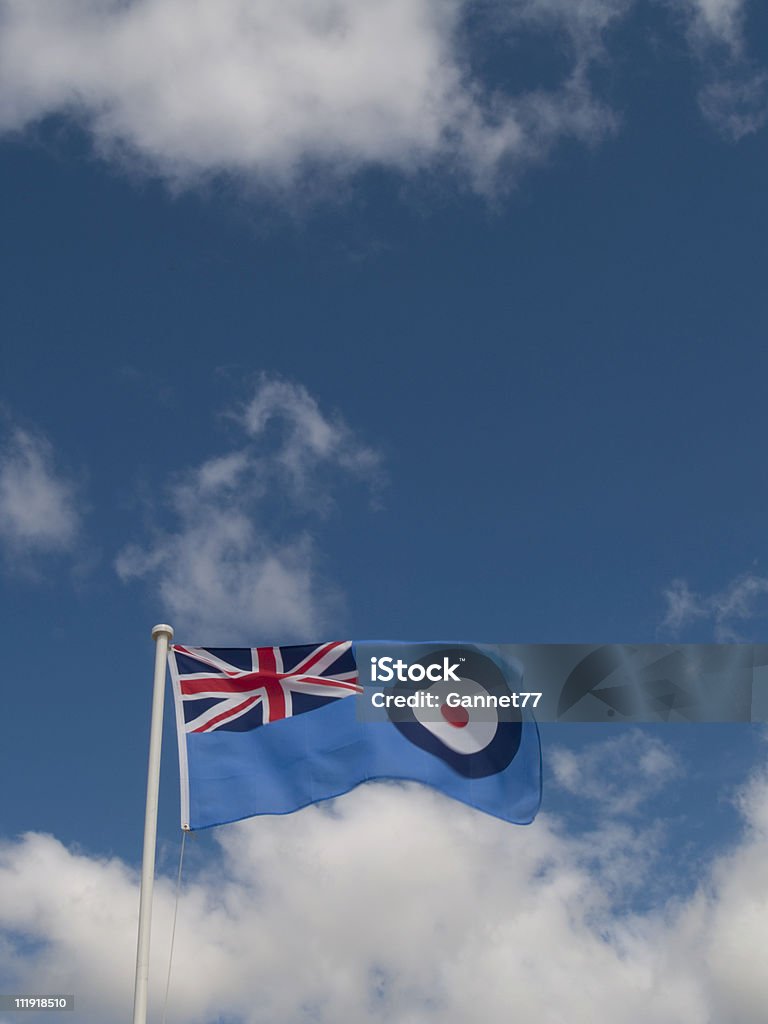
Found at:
<point>162,635</point>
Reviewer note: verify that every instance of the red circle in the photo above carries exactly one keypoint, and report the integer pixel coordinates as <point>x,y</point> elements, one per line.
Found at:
<point>457,717</point>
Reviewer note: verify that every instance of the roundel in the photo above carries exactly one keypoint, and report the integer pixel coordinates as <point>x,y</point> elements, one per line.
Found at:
<point>474,741</point>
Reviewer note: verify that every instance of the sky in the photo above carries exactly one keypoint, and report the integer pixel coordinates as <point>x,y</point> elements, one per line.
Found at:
<point>384,319</point>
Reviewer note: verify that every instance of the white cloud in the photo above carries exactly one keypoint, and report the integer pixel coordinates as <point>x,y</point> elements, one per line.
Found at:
<point>270,91</point>
<point>309,438</point>
<point>38,512</point>
<point>737,105</point>
<point>738,602</point>
<point>267,89</point>
<point>222,572</point>
<point>396,904</point>
<point>683,606</point>
<point>715,20</point>
<point>734,96</point>
<point>220,581</point>
<point>617,775</point>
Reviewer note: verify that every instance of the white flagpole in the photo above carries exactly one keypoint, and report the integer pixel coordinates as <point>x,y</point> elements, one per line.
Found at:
<point>162,635</point>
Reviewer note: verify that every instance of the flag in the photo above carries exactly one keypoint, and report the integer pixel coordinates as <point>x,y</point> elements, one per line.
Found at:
<point>269,730</point>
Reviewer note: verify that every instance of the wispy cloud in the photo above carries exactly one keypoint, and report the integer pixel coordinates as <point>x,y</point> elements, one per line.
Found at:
<point>737,102</point>
<point>308,440</point>
<point>38,508</point>
<point>460,919</point>
<point>226,568</point>
<point>734,96</point>
<point>719,21</point>
<point>275,91</point>
<point>617,775</point>
<point>727,609</point>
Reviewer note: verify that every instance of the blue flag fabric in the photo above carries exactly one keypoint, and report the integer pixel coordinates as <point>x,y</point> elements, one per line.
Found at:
<point>270,730</point>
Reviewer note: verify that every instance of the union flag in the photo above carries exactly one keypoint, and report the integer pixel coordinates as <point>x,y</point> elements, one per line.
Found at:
<point>238,689</point>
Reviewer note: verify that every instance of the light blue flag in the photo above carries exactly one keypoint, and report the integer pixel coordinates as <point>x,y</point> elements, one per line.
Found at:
<point>269,730</point>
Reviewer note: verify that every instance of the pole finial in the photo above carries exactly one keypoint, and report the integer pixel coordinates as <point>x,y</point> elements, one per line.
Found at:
<point>162,628</point>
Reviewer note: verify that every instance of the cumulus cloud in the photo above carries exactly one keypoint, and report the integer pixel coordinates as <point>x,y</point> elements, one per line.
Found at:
<point>273,90</point>
<point>224,570</point>
<point>738,602</point>
<point>266,90</point>
<point>394,903</point>
<point>38,510</point>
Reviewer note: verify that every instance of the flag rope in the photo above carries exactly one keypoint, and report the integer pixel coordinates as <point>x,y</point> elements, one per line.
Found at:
<point>173,926</point>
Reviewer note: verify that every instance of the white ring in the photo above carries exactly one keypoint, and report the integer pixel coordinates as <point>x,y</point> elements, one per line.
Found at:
<point>469,739</point>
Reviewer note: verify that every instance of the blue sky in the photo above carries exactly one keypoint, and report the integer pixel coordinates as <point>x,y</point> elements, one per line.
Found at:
<point>384,320</point>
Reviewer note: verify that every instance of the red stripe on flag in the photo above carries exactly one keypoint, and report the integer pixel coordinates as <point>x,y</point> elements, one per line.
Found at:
<point>274,704</point>
<point>227,714</point>
<point>220,684</point>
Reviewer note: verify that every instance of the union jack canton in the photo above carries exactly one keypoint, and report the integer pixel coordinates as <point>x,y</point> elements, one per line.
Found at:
<point>239,689</point>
